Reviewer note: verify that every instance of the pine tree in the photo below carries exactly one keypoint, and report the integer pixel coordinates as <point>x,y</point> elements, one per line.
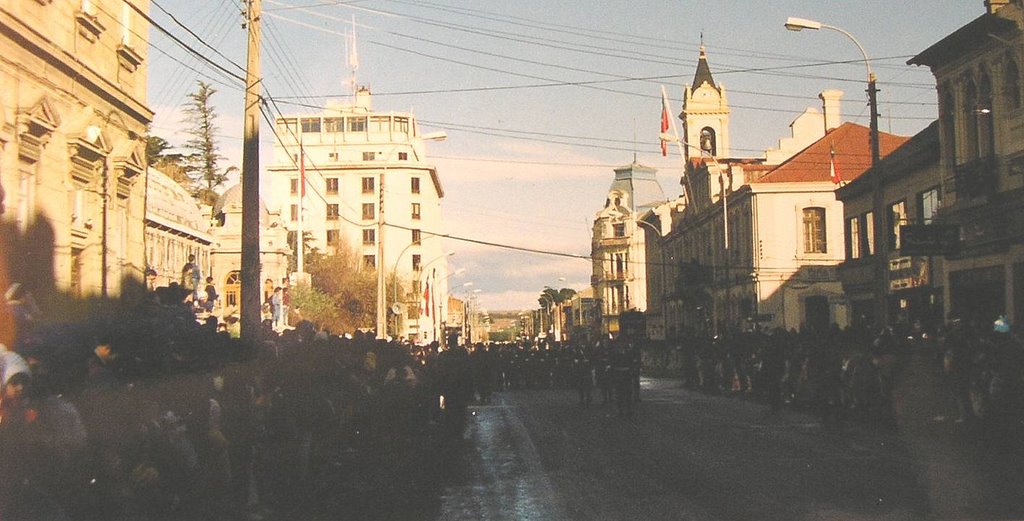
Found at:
<point>201,163</point>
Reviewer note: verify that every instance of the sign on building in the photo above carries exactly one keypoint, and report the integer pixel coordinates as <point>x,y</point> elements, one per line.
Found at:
<point>929,239</point>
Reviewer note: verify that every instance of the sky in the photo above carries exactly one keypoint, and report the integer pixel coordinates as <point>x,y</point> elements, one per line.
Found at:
<point>542,100</point>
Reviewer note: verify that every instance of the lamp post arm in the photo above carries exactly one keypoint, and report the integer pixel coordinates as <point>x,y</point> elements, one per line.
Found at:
<point>867,61</point>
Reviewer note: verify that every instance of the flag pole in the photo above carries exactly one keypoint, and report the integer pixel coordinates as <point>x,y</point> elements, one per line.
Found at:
<point>299,265</point>
<point>667,109</point>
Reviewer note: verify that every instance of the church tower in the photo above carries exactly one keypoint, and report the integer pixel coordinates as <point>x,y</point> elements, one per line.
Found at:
<point>705,113</point>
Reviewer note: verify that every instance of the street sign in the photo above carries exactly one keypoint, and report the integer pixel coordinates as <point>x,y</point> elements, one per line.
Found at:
<point>929,239</point>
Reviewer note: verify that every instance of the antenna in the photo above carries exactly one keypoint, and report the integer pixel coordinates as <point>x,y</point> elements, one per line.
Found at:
<point>353,57</point>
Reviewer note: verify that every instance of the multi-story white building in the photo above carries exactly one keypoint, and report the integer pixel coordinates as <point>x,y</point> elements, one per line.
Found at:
<point>369,188</point>
<point>73,119</point>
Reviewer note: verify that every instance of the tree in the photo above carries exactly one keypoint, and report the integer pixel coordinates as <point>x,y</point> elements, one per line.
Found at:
<point>201,163</point>
<point>553,300</point>
<point>351,290</point>
<point>171,164</point>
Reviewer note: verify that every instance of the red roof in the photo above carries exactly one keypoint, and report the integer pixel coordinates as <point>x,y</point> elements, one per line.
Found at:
<point>852,155</point>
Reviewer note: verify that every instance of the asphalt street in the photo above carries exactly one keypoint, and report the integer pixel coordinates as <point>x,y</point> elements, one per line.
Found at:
<point>539,455</point>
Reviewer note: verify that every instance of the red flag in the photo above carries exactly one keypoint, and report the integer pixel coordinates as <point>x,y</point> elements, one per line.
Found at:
<point>426,300</point>
<point>302,172</point>
<point>833,169</point>
<point>664,125</point>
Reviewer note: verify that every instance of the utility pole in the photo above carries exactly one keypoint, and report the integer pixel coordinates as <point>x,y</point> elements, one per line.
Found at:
<point>250,301</point>
<point>880,218</point>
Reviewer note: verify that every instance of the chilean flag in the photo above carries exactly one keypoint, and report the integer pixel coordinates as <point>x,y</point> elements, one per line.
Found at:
<point>426,299</point>
<point>833,169</point>
<point>664,124</point>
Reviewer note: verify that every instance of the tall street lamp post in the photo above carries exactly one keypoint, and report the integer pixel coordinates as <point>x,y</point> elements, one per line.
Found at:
<point>382,305</point>
<point>881,238</point>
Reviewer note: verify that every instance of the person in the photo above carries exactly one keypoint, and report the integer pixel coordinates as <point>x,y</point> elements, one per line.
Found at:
<point>191,276</point>
<point>286,301</point>
<point>211,295</point>
<point>8,330</point>
<point>268,290</point>
<point>277,305</point>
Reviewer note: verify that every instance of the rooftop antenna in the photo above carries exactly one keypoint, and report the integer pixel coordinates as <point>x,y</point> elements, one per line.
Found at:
<point>353,58</point>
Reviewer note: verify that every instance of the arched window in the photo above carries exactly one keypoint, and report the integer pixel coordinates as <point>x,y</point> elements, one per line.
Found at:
<point>947,124</point>
<point>814,230</point>
<point>985,118</point>
<point>971,119</point>
<point>232,288</point>
<point>708,142</point>
<point>1011,84</point>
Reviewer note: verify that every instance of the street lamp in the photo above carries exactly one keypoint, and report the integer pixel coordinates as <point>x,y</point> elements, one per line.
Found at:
<point>382,310</point>
<point>877,194</point>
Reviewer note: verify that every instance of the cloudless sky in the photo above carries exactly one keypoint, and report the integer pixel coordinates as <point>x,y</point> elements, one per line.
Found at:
<point>541,99</point>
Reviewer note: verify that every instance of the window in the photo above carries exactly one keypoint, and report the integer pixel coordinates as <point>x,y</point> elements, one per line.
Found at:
<point>403,156</point>
<point>947,125</point>
<point>416,262</point>
<point>357,124</point>
<point>333,212</point>
<point>928,203</point>
<point>293,186</point>
<point>897,217</point>
<point>868,221</point>
<point>619,230</point>
<point>368,185</point>
<point>1011,84</point>
<point>295,212</point>
<point>369,156</point>
<point>708,143</point>
<point>415,185</point>
<point>311,124</point>
<point>369,261</point>
<point>333,125</point>
<point>401,124</point>
<point>332,185</point>
<point>368,212</point>
<point>416,236</point>
<point>333,237</point>
<point>332,156</point>
<point>853,238</point>
<point>985,116</point>
<point>288,126</point>
<point>970,118</point>
<point>369,237</point>
<point>416,211</point>
<point>814,230</point>
<point>380,123</point>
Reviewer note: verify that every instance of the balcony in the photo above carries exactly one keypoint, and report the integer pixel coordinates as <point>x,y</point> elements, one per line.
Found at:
<point>976,177</point>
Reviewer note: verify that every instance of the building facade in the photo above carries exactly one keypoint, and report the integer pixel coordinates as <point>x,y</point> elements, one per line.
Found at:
<point>981,141</point>
<point>176,227</point>
<point>912,186</point>
<point>368,185</point>
<point>619,246</point>
<point>226,250</point>
<point>73,119</point>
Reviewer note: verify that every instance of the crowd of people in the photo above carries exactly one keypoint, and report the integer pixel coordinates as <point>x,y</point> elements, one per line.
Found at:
<point>161,416</point>
<point>854,373</point>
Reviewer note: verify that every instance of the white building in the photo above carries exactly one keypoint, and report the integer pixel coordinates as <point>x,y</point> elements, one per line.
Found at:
<point>619,246</point>
<point>368,185</point>
<point>176,227</point>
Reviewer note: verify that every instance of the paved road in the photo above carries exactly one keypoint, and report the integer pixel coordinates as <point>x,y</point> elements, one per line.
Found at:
<point>538,455</point>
